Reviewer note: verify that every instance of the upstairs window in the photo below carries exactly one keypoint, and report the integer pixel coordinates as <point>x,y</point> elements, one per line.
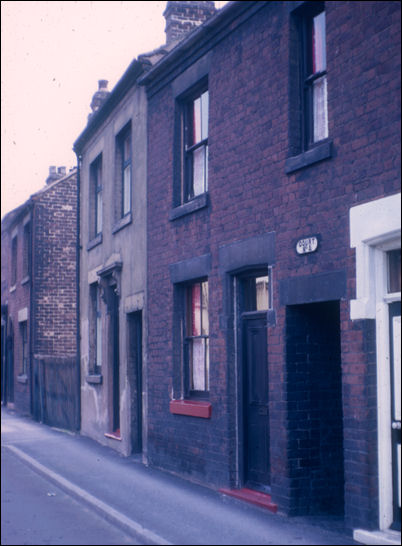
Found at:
<point>26,262</point>
<point>314,75</point>
<point>197,337</point>
<point>123,172</point>
<point>14,250</point>
<point>96,201</point>
<point>193,143</point>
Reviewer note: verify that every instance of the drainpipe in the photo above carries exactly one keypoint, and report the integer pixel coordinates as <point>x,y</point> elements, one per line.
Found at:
<point>78,252</point>
<point>32,310</point>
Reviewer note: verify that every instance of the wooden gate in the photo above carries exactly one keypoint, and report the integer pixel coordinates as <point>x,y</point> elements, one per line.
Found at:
<point>56,392</point>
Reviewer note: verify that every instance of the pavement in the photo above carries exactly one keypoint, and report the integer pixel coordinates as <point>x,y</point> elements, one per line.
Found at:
<point>152,506</point>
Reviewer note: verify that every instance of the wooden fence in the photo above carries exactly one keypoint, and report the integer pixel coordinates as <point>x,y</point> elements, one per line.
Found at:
<point>55,393</point>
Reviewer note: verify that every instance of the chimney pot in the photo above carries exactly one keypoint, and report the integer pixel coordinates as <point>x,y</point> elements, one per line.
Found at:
<point>61,170</point>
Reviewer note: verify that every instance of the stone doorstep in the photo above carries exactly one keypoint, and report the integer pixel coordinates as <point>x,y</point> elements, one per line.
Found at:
<point>377,537</point>
<point>254,497</point>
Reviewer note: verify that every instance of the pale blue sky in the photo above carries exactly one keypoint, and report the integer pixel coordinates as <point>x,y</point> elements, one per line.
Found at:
<point>52,56</point>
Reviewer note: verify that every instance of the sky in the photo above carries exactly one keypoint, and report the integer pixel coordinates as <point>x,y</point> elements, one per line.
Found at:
<point>52,55</point>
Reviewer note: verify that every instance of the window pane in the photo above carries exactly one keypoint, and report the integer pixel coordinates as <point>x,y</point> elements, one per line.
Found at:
<point>198,364</point>
<point>394,271</point>
<point>207,364</point>
<point>126,148</point>
<point>204,309</point>
<point>98,212</point>
<point>197,121</point>
<point>319,47</point>
<point>204,114</point>
<point>262,295</point>
<point>196,310</point>
<point>256,294</point>
<point>126,190</point>
<point>320,113</point>
<point>199,171</point>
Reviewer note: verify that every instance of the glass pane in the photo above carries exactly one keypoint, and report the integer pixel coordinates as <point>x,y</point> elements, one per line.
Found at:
<point>126,148</point>
<point>204,114</point>
<point>319,46</point>
<point>126,190</point>
<point>394,271</point>
<point>198,364</point>
<point>98,212</point>
<point>198,170</point>
<point>197,121</point>
<point>206,168</point>
<point>207,364</point>
<point>320,113</point>
<point>196,310</point>
<point>262,294</point>
<point>204,309</point>
<point>256,294</point>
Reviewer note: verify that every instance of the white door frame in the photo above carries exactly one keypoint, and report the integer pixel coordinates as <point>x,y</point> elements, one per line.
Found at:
<point>375,228</point>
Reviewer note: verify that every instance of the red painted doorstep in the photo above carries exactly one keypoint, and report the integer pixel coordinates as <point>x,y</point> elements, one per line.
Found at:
<point>254,497</point>
<point>194,408</point>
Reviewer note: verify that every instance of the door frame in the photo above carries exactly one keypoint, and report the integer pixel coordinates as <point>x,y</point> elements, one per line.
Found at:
<point>237,283</point>
<point>384,387</point>
<point>372,240</point>
<point>246,319</point>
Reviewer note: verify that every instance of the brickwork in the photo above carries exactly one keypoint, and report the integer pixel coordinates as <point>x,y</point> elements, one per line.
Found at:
<point>183,17</point>
<point>45,292</point>
<point>250,194</point>
<point>54,251</point>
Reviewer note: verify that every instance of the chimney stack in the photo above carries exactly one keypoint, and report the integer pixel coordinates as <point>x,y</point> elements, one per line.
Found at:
<point>55,173</point>
<point>183,17</point>
<point>99,97</point>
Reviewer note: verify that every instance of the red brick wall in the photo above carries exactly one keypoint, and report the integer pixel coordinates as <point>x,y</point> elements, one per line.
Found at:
<point>250,194</point>
<point>55,287</point>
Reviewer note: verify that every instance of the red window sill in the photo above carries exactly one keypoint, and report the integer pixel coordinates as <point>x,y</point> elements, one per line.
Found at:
<point>194,408</point>
<point>113,435</point>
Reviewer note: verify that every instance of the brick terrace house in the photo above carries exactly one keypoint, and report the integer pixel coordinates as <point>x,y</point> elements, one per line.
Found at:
<point>112,153</point>
<point>274,258</point>
<point>39,372</point>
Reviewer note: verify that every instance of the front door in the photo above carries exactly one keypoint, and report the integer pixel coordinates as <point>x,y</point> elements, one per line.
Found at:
<point>395,353</point>
<point>254,306</point>
<point>256,415</point>
<point>134,370</point>
<point>115,363</point>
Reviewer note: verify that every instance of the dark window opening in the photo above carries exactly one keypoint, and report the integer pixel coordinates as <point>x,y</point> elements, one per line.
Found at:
<point>14,250</point>
<point>26,263</point>
<point>394,270</point>
<point>24,347</point>
<point>96,201</point>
